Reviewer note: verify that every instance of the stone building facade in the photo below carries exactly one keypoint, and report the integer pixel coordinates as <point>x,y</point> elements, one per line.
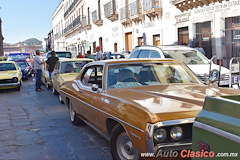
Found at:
<point>80,25</point>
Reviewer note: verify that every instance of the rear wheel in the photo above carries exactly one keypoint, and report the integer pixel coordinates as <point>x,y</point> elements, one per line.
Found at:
<point>75,120</point>
<point>121,145</point>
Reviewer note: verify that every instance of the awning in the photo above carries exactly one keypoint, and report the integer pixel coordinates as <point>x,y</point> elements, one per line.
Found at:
<point>185,5</point>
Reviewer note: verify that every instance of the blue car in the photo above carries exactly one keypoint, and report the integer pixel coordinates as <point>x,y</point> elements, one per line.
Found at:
<point>26,68</point>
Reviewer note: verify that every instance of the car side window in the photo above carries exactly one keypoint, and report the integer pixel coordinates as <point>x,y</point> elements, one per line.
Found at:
<point>93,75</point>
<point>134,54</point>
<point>56,68</point>
<point>155,54</point>
<point>144,54</point>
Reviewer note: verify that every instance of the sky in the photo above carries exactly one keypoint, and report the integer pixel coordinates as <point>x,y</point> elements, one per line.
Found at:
<point>24,19</point>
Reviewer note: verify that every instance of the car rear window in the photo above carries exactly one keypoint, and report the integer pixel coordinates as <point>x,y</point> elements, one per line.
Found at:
<point>61,54</point>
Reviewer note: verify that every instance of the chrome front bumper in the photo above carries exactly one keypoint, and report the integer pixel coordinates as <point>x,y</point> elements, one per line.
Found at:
<point>9,85</point>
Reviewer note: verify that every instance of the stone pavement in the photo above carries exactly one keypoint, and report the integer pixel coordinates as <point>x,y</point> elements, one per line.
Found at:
<point>34,125</point>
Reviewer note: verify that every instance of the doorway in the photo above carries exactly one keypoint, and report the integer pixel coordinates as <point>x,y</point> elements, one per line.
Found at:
<point>128,41</point>
<point>203,37</point>
<point>183,36</point>
<point>101,43</point>
<point>115,47</point>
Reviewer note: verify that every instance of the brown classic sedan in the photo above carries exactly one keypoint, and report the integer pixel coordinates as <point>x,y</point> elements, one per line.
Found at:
<point>140,105</point>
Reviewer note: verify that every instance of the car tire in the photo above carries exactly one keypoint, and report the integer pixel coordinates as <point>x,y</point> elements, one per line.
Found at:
<point>55,92</point>
<point>18,88</point>
<point>75,120</point>
<point>60,99</point>
<point>121,145</point>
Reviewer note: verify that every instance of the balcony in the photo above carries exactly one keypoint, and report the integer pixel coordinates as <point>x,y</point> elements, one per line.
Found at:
<point>136,12</point>
<point>152,8</point>
<point>85,24</point>
<point>124,16</point>
<point>96,19</point>
<point>70,8</point>
<point>185,5</point>
<point>110,11</point>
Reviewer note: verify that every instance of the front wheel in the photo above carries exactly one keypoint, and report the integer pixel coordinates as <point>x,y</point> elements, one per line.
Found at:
<point>75,120</point>
<point>121,145</point>
<point>55,92</point>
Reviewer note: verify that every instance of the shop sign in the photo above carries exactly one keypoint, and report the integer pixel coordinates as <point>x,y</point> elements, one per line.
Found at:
<point>149,25</point>
<point>115,32</point>
<point>182,17</point>
<point>217,7</point>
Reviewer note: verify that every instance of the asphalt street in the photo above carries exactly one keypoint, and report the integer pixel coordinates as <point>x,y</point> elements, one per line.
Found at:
<point>34,125</point>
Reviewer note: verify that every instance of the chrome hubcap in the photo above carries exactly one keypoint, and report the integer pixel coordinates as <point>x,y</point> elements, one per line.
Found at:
<point>125,147</point>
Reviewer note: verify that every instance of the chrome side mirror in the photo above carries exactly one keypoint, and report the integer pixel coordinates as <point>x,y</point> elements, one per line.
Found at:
<point>94,87</point>
<point>214,76</point>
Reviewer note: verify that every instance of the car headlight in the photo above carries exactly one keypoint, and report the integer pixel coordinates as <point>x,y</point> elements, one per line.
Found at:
<point>15,79</point>
<point>160,134</point>
<point>176,133</point>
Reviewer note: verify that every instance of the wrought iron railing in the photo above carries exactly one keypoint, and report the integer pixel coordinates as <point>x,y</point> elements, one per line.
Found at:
<point>134,8</point>
<point>123,13</point>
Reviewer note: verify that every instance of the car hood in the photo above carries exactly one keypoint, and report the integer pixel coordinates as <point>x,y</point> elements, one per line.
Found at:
<point>204,68</point>
<point>169,102</point>
<point>69,76</point>
<point>8,74</point>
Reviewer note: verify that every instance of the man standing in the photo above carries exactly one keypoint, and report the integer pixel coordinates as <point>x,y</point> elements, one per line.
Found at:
<point>89,55</point>
<point>37,64</point>
<point>99,55</point>
<point>51,62</point>
<point>199,48</point>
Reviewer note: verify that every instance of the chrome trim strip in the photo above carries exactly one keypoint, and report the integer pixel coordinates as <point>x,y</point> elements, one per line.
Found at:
<point>174,145</point>
<point>104,112</point>
<point>175,122</point>
<point>9,84</point>
<point>217,131</point>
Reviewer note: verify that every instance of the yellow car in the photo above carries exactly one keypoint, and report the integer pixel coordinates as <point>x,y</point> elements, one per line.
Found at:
<point>10,75</point>
<point>66,70</point>
<point>45,77</point>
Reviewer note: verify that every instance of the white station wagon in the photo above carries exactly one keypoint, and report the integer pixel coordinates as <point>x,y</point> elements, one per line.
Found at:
<point>195,60</point>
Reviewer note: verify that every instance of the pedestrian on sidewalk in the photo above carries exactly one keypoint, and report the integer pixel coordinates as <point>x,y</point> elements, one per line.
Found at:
<point>99,55</point>
<point>89,55</point>
<point>37,65</point>
<point>80,55</point>
<point>51,62</point>
<point>199,48</point>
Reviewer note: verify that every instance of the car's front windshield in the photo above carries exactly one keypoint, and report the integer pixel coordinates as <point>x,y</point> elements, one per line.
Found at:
<point>140,74</point>
<point>22,64</point>
<point>187,56</point>
<point>72,66</point>
<point>7,67</point>
<point>18,56</point>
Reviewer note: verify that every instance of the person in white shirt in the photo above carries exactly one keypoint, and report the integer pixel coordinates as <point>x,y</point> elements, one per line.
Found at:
<point>99,55</point>
<point>37,65</point>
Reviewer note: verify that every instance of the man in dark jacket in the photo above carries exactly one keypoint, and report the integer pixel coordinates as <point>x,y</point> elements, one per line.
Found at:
<point>51,62</point>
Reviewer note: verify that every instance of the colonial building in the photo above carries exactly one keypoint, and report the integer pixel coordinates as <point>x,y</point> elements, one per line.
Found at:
<point>19,48</point>
<point>215,24</point>
<point>80,25</point>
